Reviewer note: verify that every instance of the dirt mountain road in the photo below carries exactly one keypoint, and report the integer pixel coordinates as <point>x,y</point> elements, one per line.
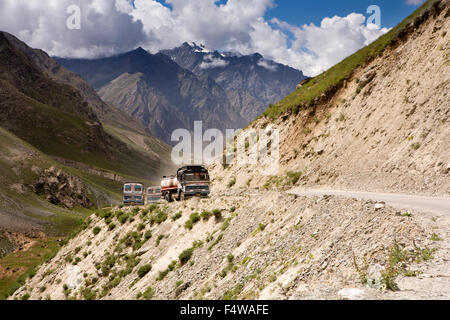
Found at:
<point>438,205</point>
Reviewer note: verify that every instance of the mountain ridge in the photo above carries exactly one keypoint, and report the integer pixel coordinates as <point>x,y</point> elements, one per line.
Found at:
<point>165,96</point>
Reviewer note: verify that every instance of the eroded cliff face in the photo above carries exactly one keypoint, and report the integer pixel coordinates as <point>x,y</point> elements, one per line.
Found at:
<point>386,129</point>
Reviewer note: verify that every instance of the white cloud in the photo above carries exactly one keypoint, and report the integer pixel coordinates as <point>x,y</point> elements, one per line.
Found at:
<point>210,62</point>
<point>266,64</point>
<point>110,27</point>
<point>105,29</point>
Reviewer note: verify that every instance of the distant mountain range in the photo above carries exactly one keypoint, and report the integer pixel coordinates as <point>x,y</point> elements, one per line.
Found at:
<point>251,81</point>
<point>174,88</point>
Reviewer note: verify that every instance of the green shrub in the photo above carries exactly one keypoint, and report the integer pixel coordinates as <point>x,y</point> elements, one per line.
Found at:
<point>88,294</point>
<point>189,225</point>
<point>177,216</point>
<point>148,294</point>
<point>123,218</point>
<point>415,146</point>
<point>148,235</point>
<point>96,230</point>
<point>205,215</point>
<point>158,240</point>
<point>225,224</point>
<point>217,214</point>
<point>195,217</point>
<point>163,274</point>
<point>185,256</point>
<point>144,270</point>
<point>159,217</point>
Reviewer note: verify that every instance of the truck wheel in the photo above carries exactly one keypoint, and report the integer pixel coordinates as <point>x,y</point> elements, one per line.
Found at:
<point>182,197</point>
<point>168,197</point>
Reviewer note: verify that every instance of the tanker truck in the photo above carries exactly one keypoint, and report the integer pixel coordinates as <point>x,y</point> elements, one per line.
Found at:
<point>190,181</point>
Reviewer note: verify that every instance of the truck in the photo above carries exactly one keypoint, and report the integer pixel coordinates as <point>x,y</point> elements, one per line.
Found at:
<point>153,194</point>
<point>133,193</point>
<point>190,181</point>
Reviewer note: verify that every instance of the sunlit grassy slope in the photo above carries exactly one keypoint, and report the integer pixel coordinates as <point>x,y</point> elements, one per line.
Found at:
<point>331,78</point>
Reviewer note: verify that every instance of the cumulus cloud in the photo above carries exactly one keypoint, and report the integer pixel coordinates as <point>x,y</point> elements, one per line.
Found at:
<point>105,28</point>
<point>114,26</point>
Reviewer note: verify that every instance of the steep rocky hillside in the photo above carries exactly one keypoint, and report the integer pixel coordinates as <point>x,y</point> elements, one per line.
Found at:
<point>383,127</point>
<point>55,119</point>
<point>158,92</point>
<point>251,82</point>
<point>115,122</point>
<point>276,246</point>
<point>57,160</point>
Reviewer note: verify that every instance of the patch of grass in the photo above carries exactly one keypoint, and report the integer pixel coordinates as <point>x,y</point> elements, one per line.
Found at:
<point>225,224</point>
<point>293,176</point>
<point>435,237</point>
<point>206,215</point>
<point>26,262</point>
<point>219,237</point>
<point>178,283</point>
<point>415,146</point>
<point>233,293</point>
<point>158,240</point>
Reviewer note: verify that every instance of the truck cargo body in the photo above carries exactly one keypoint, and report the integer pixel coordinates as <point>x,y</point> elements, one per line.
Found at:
<point>153,194</point>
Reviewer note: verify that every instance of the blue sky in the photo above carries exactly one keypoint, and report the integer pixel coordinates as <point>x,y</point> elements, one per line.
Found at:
<point>304,12</point>
<point>300,12</point>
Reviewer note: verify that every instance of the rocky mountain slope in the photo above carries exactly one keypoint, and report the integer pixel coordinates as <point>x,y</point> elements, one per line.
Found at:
<point>57,159</point>
<point>56,119</point>
<point>251,82</point>
<point>115,122</point>
<point>381,124</point>
<point>165,96</point>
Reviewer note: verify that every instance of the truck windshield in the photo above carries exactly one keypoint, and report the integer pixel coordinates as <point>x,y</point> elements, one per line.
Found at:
<point>198,176</point>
